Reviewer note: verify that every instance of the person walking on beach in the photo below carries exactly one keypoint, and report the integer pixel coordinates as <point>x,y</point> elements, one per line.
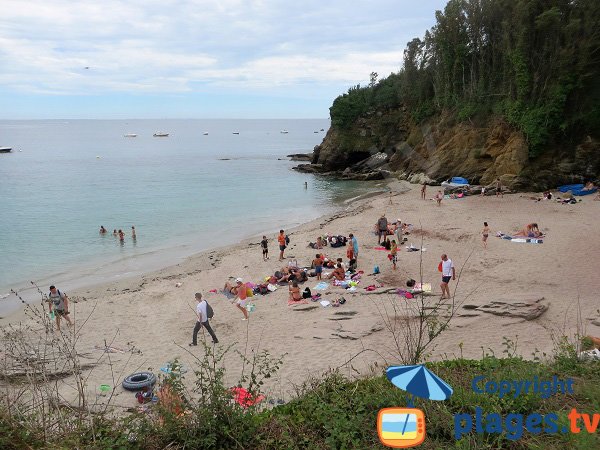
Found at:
<point>438,197</point>
<point>394,253</point>
<point>484,234</point>
<point>202,320</point>
<point>448,273</point>
<point>499,188</point>
<point>354,243</point>
<point>265,249</point>
<point>58,303</point>
<point>423,189</point>
<point>318,263</point>
<point>281,240</point>
<point>242,297</point>
<point>382,228</point>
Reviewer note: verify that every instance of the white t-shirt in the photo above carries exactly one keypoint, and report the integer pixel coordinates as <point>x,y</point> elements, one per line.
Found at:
<point>201,310</point>
<point>447,268</point>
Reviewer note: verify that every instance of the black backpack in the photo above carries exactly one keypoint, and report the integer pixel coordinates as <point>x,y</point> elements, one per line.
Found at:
<point>287,240</point>
<point>209,311</point>
<point>306,293</point>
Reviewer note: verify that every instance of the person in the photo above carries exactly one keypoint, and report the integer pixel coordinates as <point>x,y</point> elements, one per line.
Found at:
<point>306,185</point>
<point>423,191</point>
<point>319,244</point>
<point>121,236</point>
<point>230,288</point>
<point>340,261</point>
<point>483,191</point>
<point>531,230</point>
<point>202,320</point>
<point>265,249</point>
<point>448,273</point>
<point>338,273</point>
<point>102,229</point>
<point>241,298</point>
<point>499,188</point>
<point>387,244</point>
<point>485,233</point>
<point>350,248</point>
<point>281,240</point>
<point>58,302</point>
<point>588,186</point>
<point>438,197</point>
<point>295,294</point>
<point>318,263</point>
<point>354,247</point>
<point>115,234</point>
<point>382,228</point>
<point>398,231</point>
<point>394,253</point>
<point>133,236</point>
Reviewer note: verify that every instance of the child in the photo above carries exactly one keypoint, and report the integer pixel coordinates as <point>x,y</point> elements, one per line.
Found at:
<point>438,197</point>
<point>265,249</point>
<point>318,263</point>
<point>484,234</point>
<point>394,253</point>
<point>282,246</point>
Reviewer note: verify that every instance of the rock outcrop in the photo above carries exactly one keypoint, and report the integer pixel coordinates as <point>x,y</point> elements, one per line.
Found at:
<point>389,144</point>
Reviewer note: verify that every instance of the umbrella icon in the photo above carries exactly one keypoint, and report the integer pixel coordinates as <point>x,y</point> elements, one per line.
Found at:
<point>418,381</point>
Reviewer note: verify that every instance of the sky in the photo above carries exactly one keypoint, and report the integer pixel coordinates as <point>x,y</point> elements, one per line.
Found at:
<point>109,59</point>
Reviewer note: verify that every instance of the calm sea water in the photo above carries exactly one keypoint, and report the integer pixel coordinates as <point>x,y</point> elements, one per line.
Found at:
<point>184,193</point>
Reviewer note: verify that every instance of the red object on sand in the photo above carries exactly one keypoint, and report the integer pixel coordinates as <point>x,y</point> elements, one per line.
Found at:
<point>243,398</point>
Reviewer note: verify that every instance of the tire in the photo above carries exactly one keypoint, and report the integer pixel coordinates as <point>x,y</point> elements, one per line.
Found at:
<point>138,381</point>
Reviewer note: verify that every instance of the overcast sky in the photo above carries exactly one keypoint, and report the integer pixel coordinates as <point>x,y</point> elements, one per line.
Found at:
<point>197,58</point>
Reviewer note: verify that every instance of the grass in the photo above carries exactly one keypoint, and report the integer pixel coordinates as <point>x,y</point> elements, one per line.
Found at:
<point>334,412</point>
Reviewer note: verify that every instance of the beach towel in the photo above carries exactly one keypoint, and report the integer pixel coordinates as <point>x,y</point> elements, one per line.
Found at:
<point>227,294</point>
<point>297,302</point>
<point>380,248</point>
<point>404,293</point>
<point>321,286</point>
<point>243,398</point>
<point>412,248</point>
<point>325,303</point>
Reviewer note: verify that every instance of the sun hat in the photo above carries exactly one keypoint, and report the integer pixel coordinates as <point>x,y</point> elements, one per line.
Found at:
<point>239,280</point>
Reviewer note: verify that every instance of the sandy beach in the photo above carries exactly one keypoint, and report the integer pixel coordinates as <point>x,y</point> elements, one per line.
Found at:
<point>153,315</point>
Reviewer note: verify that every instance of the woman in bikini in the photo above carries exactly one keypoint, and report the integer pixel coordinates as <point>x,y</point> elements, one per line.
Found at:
<point>484,234</point>
<point>295,294</point>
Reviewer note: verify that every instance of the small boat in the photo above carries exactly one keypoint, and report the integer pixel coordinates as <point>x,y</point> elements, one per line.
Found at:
<point>322,129</point>
<point>315,131</point>
<point>205,133</point>
<point>130,135</point>
<point>236,132</point>
<point>5,149</point>
<point>160,134</point>
<point>284,131</point>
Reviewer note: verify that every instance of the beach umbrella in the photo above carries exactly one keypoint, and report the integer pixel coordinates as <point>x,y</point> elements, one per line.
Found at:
<point>418,381</point>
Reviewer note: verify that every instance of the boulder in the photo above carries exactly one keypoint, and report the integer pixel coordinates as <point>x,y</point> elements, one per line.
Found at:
<point>528,308</point>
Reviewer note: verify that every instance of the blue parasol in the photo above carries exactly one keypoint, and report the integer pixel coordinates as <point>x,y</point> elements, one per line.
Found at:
<point>418,381</point>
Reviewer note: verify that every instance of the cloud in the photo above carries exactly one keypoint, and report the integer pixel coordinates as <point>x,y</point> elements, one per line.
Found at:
<point>169,46</point>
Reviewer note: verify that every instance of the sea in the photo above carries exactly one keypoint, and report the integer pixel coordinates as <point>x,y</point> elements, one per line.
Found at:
<point>208,184</point>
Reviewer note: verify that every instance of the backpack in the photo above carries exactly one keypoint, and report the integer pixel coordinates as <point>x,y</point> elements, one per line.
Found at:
<point>376,269</point>
<point>287,240</point>
<point>306,293</point>
<point>209,311</point>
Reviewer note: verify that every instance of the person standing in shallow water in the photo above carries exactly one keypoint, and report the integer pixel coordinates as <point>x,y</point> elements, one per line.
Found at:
<point>121,236</point>
<point>133,236</point>
<point>102,229</point>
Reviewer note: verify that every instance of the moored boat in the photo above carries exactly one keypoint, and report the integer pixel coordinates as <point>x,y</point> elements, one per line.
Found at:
<point>160,134</point>
<point>5,149</point>
<point>130,135</point>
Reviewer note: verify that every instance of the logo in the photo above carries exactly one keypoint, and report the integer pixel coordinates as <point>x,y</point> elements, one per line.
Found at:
<point>405,427</point>
<point>401,427</point>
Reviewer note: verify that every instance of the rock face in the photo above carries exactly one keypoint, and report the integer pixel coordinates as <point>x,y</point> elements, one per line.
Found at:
<point>528,308</point>
<point>389,143</point>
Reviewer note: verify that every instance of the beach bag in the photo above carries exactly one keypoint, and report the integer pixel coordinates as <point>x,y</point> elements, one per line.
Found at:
<point>306,293</point>
<point>271,287</point>
<point>440,267</point>
<point>209,311</point>
<point>376,269</point>
<point>287,240</point>
<point>263,289</point>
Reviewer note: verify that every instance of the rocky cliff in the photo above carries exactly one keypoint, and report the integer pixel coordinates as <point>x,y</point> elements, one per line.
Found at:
<point>389,144</point>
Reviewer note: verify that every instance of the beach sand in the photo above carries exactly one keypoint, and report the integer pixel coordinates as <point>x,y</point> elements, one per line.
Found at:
<point>153,313</point>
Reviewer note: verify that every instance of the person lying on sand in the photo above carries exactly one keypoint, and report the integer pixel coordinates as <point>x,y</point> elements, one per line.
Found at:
<point>531,231</point>
<point>231,288</point>
<point>588,186</point>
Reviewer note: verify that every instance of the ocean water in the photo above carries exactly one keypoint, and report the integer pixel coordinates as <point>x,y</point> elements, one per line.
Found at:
<point>184,193</point>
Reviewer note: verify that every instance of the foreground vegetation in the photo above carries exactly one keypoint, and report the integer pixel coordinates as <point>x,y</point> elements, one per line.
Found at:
<point>331,412</point>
